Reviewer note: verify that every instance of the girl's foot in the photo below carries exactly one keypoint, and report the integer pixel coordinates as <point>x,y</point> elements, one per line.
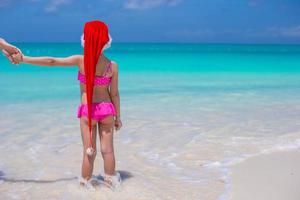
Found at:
<point>92,182</point>
<point>113,181</point>
<point>83,181</point>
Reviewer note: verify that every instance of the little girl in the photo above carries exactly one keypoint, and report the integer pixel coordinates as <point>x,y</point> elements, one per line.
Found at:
<point>100,101</point>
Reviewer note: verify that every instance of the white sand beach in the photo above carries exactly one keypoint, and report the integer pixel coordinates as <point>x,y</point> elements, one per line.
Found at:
<point>274,176</point>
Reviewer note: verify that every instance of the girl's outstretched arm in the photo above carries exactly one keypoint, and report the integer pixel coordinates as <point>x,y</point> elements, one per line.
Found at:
<point>49,61</point>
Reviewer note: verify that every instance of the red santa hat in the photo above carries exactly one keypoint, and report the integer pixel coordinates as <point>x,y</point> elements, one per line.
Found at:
<point>95,38</point>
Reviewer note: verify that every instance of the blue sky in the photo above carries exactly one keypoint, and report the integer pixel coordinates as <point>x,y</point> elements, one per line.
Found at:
<point>199,21</point>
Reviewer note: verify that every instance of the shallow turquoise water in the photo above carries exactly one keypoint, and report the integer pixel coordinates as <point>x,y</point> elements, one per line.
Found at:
<point>189,113</point>
<point>184,57</point>
<point>159,68</point>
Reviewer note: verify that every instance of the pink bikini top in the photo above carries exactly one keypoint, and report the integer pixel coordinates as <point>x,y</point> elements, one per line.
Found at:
<point>99,80</point>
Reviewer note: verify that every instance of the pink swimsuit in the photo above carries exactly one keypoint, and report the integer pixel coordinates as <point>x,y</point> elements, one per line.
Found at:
<point>100,110</point>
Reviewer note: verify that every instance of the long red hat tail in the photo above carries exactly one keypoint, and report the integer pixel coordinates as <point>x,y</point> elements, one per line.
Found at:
<point>95,37</point>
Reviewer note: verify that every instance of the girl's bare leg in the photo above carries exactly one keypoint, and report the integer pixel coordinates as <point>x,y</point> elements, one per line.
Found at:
<point>88,161</point>
<point>106,130</point>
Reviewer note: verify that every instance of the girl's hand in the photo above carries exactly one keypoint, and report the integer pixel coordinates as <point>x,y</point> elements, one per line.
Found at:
<point>118,124</point>
<point>18,57</point>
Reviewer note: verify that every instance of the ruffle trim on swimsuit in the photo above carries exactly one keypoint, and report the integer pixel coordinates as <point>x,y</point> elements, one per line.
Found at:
<point>99,110</point>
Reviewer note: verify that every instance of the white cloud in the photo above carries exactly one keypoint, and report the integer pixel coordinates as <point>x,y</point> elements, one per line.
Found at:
<point>55,4</point>
<point>192,33</point>
<point>254,3</point>
<point>4,3</point>
<point>289,32</point>
<point>295,31</point>
<point>269,32</point>
<point>148,4</point>
<point>207,33</point>
<point>274,32</point>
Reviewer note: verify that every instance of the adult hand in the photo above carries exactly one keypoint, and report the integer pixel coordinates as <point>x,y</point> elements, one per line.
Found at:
<point>9,50</point>
<point>7,55</point>
<point>14,58</point>
<point>8,47</point>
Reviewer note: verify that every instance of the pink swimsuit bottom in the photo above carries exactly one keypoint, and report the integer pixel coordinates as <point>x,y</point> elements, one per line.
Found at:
<point>100,110</point>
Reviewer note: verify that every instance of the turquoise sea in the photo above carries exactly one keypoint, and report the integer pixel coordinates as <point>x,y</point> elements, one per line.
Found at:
<point>190,112</point>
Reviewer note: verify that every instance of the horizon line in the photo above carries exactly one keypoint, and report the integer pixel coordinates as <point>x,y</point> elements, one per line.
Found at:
<point>193,43</point>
